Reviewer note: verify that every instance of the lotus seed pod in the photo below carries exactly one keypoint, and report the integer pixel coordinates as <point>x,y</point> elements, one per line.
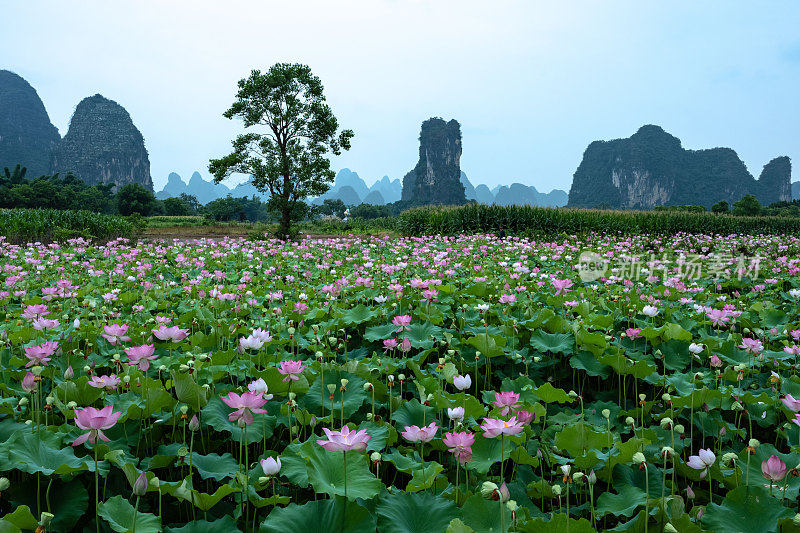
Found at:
<point>729,458</point>
<point>642,397</point>
<point>577,476</point>
<point>401,377</point>
<point>375,457</point>
<point>556,490</point>
<point>37,370</point>
<point>638,458</point>
<point>606,413</point>
<point>45,520</point>
<point>126,379</point>
<point>331,388</point>
<point>292,396</point>
<point>344,382</point>
<point>291,331</point>
<point>666,397</point>
<point>629,421</point>
<point>667,451</point>
<point>754,443</point>
<point>24,401</point>
<point>72,405</point>
<point>263,479</point>
<point>4,484</point>
<point>511,505</point>
<point>487,489</point>
<point>666,423</point>
<point>183,368</point>
<point>184,409</point>
<point>116,357</point>
<point>795,518</point>
<point>162,368</point>
<point>572,394</point>
<point>679,428</point>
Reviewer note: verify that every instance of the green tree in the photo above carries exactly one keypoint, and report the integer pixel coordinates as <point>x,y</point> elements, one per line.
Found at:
<point>720,207</point>
<point>288,160</point>
<point>191,201</point>
<point>176,207</point>
<point>133,198</point>
<point>747,206</point>
<point>332,207</point>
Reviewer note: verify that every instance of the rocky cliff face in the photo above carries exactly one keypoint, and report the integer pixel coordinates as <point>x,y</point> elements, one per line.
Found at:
<point>103,146</point>
<point>437,177</point>
<point>651,168</point>
<point>26,135</point>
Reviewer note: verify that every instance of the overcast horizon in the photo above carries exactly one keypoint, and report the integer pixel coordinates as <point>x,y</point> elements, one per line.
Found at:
<point>532,83</point>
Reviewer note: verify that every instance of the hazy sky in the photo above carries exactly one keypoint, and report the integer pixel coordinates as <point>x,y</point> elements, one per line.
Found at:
<point>532,83</point>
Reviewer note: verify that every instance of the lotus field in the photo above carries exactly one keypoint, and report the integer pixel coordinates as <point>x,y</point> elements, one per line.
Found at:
<point>401,385</point>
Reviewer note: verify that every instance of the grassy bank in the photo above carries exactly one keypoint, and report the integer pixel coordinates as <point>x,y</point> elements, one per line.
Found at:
<point>46,225</point>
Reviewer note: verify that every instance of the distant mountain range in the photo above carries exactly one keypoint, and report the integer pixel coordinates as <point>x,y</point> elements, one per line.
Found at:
<point>352,190</point>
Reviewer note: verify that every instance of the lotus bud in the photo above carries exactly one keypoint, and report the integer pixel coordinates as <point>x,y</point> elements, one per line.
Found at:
<point>606,413</point>
<point>313,421</point>
<point>591,478</point>
<point>140,485</point>
<point>69,373</point>
<point>194,423</point>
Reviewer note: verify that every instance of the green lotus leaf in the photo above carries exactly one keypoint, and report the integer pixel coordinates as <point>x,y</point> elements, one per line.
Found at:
<point>119,514</point>
<point>324,516</point>
<point>414,513</point>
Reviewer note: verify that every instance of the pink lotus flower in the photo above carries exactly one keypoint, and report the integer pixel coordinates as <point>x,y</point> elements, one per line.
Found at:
<point>95,420</point>
<point>141,356</point>
<point>170,333</point>
<point>460,445</point>
<point>462,382</point>
<point>248,403</point>
<point>116,333</point>
<point>791,404</point>
<point>704,460</point>
<point>524,417</point>
<point>291,369</point>
<point>389,345</point>
<point>344,440</point>
<point>108,383</point>
<point>35,311</point>
<point>506,401</point>
<point>773,468</point>
<point>492,427</point>
<point>562,286</point>
<point>715,361</point>
<point>29,382</point>
<point>509,299</point>
<point>40,355</point>
<point>418,434</point>
<point>718,317</point>
<point>402,322</point>
<point>633,333</point>
<point>751,346</point>
<point>250,342</point>
<point>45,323</point>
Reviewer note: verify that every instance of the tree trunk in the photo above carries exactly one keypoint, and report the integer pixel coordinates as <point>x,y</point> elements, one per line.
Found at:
<point>286,222</point>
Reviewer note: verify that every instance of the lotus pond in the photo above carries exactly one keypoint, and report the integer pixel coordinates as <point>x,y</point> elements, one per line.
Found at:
<point>401,385</point>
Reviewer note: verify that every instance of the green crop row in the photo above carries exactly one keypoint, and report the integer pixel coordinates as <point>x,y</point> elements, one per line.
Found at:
<point>524,220</point>
<point>45,225</point>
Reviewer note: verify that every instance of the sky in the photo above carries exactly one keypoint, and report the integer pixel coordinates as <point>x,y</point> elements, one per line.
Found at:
<point>531,82</point>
